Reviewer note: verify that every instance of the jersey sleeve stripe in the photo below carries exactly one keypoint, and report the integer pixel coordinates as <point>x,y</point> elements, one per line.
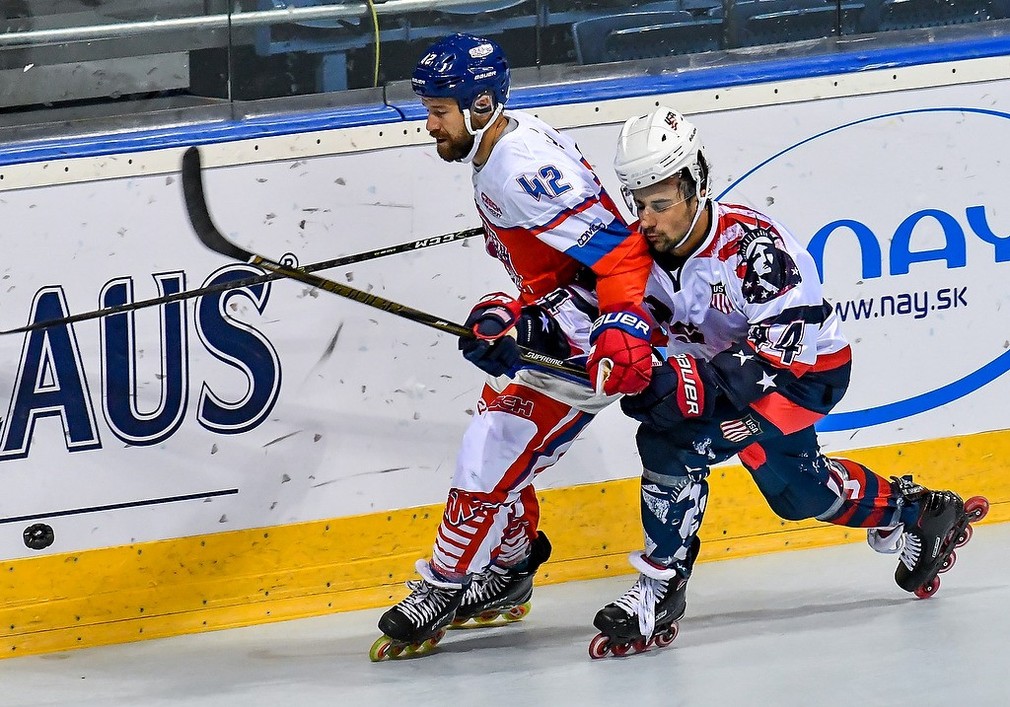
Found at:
<point>564,215</point>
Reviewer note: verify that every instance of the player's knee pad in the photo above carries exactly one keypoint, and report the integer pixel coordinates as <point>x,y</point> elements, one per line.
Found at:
<point>666,459</point>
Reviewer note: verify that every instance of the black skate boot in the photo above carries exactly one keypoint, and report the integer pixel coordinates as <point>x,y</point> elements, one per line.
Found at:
<point>416,625</point>
<point>645,615</point>
<point>503,591</point>
<point>928,545</point>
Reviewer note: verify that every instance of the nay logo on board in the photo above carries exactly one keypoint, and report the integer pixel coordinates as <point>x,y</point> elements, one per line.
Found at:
<point>51,380</point>
<point>904,217</point>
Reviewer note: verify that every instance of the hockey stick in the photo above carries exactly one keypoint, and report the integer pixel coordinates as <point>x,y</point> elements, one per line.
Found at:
<point>210,236</point>
<point>249,281</point>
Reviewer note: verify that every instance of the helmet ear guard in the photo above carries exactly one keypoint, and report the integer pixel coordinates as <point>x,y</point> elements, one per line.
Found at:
<point>483,103</point>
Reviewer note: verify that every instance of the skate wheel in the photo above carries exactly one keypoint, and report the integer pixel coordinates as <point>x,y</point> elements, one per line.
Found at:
<point>948,562</point>
<point>599,646</point>
<point>518,613</point>
<point>486,618</point>
<point>435,640</point>
<point>620,649</point>
<point>665,638</point>
<point>457,623</point>
<point>964,537</point>
<point>640,645</point>
<point>977,507</point>
<point>928,589</point>
<point>380,649</point>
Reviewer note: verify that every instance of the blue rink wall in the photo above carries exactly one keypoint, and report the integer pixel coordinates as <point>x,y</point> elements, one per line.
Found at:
<point>278,451</point>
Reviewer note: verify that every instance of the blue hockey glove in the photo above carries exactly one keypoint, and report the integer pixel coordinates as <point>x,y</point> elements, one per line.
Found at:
<point>681,388</point>
<point>491,348</point>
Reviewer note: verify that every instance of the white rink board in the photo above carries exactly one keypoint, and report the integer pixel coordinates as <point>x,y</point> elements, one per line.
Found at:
<point>369,419</point>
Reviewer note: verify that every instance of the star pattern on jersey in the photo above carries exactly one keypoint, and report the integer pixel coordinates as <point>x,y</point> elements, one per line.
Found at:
<point>742,357</point>
<point>767,381</point>
<point>545,322</point>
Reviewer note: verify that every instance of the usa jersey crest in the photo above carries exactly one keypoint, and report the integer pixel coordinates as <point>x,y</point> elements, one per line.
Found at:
<point>720,300</point>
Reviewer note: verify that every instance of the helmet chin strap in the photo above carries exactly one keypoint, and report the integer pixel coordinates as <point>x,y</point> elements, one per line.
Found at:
<point>478,134</point>
<point>694,221</point>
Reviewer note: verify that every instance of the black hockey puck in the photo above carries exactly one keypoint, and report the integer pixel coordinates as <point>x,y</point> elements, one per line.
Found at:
<point>38,536</point>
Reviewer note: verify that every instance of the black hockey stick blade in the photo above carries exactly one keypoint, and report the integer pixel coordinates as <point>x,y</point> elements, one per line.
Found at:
<point>210,236</point>
<point>199,213</point>
<point>248,281</point>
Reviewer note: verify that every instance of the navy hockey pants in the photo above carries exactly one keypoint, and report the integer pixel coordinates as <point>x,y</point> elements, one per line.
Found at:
<point>796,479</point>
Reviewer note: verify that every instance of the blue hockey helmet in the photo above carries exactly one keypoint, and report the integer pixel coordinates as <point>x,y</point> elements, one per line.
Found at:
<point>463,67</point>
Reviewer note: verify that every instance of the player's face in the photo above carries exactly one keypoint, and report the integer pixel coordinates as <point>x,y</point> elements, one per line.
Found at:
<point>445,124</point>
<point>666,215</point>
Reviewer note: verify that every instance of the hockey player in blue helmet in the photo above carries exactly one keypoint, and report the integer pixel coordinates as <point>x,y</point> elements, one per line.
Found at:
<point>579,273</point>
<point>471,74</point>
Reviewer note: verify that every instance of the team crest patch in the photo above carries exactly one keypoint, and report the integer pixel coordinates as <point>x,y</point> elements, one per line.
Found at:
<point>492,207</point>
<point>765,267</point>
<point>720,300</point>
<point>481,51</point>
<point>739,430</point>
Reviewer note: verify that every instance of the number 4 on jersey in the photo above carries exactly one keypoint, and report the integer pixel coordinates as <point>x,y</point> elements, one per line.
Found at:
<point>790,343</point>
<point>547,183</point>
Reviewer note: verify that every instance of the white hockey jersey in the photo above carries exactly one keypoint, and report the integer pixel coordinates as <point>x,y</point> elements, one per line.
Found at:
<point>547,217</point>
<point>750,301</point>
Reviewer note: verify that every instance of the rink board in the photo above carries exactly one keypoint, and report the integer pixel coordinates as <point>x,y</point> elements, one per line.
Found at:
<point>227,580</point>
<point>282,452</point>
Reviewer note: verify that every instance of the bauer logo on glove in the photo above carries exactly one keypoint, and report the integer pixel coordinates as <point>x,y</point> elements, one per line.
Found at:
<point>682,388</point>
<point>620,360</point>
<point>625,320</point>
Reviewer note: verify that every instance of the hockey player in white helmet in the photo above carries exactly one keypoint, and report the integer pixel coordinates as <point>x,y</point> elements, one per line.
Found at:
<point>755,357</point>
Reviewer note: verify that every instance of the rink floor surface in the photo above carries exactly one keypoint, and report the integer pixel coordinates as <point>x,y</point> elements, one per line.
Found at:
<point>812,627</point>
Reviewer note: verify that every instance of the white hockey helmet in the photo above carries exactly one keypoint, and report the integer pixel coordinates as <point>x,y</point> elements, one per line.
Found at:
<point>656,146</point>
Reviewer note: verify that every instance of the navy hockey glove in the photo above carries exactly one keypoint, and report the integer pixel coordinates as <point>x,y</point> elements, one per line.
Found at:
<point>620,360</point>
<point>491,348</point>
<point>682,388</point>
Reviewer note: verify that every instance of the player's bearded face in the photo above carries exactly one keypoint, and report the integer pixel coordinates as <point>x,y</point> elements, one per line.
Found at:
<point>665,215</point>
<point>445,124</point>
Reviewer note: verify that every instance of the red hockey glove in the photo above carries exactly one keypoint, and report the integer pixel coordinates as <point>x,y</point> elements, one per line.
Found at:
<point>620,360</point>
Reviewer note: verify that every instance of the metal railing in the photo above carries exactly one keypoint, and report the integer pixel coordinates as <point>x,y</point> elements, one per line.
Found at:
<point>120,30</point>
